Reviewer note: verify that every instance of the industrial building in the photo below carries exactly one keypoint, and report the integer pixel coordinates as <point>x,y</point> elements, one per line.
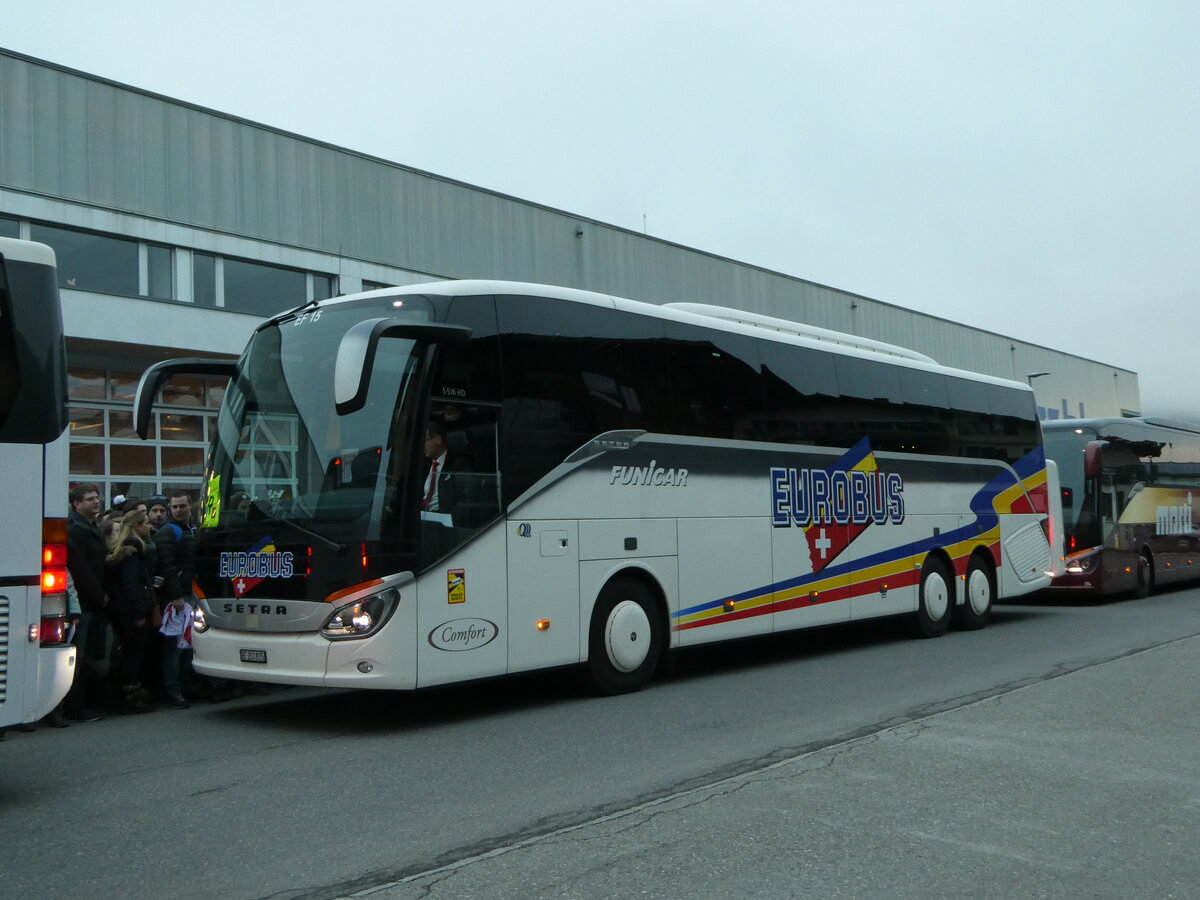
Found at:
<point>178,228</point>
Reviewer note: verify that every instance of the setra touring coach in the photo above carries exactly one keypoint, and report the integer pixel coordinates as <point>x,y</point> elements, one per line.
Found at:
<point>1131,503</point>
<point>619,479</point>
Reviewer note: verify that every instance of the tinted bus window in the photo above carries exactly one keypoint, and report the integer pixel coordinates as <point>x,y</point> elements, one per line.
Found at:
<point>800,389</point>
<point>716,384</point>
<point>596,373</point>
<point>921,388</point>
<point>33,382</point>
<point>867,379</point>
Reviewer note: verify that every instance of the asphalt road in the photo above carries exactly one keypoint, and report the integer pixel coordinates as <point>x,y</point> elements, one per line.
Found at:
<point>1051,754</point>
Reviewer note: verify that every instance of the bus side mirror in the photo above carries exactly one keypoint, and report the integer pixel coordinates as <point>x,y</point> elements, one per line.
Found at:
<point>1091,458</point>
<point>356,354</point>
<point>160,373</point>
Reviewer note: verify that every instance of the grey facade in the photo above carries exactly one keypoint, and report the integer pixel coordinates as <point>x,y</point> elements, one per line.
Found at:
<point>204,196</point>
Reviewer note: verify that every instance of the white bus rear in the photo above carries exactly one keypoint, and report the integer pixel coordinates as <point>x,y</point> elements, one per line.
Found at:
<point>37,661</point>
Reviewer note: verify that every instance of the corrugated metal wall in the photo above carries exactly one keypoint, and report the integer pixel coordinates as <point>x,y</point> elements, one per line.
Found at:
<point>67,135</point>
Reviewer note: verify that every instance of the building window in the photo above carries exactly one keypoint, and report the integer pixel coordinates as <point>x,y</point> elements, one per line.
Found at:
<point>105,450</point>
<point>92,262</point>
<point>322,287</point>
<point>160,274</point>
<point>374,285</point>
<point>263,290</point>
<point>9,227</point>
<point>204,279</point>
<point>88,261</point>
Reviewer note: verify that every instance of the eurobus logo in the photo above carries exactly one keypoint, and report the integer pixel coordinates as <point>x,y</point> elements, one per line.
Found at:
<point>804,497</point>
<point>247,569</point>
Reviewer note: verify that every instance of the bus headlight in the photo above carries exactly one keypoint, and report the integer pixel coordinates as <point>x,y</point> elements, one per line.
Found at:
<point>1083,562</point>
<point>361,618</point>
<point>199,622</point>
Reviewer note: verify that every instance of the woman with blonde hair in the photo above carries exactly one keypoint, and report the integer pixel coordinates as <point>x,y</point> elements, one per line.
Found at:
<point>131,604</point>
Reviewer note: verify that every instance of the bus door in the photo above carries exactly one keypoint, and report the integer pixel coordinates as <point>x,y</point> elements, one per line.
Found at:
<point>463,619</point>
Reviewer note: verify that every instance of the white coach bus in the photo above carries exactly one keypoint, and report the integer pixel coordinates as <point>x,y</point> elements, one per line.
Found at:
<point>36,660</point>
<point>623,479</point>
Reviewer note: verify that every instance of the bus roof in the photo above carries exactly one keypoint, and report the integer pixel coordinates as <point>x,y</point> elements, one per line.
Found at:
<point>704,315</point>
<point>26,251</point>
<point>1127,421</point>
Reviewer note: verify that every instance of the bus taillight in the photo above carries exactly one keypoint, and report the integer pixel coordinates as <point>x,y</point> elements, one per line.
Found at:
<point>54,581</point>
<point>53,630</point>
<point>54,556</point>
<point>53,627</point>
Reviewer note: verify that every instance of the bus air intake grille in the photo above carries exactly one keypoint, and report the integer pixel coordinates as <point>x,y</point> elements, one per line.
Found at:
<point>1028,552</point>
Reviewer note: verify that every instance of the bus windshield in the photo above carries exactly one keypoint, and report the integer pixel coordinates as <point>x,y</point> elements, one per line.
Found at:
<point>1066,448</point>
<point>283,453</point>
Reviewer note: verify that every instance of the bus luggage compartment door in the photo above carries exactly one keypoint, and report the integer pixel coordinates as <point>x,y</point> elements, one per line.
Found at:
<point>543,594</point>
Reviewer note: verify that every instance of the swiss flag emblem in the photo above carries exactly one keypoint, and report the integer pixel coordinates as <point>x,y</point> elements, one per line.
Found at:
<point>827,541</point>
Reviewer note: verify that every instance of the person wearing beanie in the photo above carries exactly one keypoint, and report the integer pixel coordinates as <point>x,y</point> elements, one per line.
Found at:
<point>156,509</point>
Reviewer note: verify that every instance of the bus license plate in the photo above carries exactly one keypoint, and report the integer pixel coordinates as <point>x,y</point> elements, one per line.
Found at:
<point>254,656</point>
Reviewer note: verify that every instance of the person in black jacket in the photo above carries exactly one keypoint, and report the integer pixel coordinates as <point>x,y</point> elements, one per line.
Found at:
<point>85,562</point>
<point>175,549</point>
<point>437,477</point>
<point>132,604</point>
<point>175,564</point>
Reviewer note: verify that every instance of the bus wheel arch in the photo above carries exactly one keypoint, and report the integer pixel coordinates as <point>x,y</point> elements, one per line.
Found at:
<point>627,634</point>
<point>1144,585</point>
<point>979,585</point>
<point>935,596</point>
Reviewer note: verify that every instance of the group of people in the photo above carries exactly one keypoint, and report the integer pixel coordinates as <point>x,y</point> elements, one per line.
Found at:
<point>130,604</point>
<point>131,572</point>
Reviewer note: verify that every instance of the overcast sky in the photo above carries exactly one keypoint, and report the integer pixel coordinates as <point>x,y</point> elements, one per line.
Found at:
<point>1029,167</point>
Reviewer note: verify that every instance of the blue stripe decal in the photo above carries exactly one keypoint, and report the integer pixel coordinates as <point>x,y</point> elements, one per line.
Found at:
<point>986,519</point>
<point>982,505</point>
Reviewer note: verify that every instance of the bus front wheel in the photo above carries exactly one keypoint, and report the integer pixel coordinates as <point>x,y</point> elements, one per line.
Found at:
<point>935,600</point>
<point>625,639</point>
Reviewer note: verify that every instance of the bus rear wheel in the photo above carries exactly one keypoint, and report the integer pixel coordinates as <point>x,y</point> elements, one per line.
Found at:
<point>1145,577</point>
<point>625,638</point>
<point>935,600</point>
<point>981,591</point>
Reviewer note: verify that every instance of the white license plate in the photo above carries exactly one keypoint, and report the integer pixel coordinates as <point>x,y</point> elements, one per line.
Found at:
<point>254,656</point>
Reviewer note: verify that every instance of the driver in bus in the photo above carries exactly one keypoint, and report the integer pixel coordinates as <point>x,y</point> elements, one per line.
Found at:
<point>437,491</point>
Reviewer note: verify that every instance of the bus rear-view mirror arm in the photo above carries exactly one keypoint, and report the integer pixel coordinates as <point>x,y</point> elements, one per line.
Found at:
<point>158,374</point>
<point>356,354</point>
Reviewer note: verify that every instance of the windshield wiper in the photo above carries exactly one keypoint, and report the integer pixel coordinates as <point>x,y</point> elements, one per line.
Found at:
<point>277,520</point>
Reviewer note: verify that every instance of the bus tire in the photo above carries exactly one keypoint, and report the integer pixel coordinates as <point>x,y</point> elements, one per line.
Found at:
<point>980,585</point>
<point>625,638</point>
<point>1145,577</point>
<point>935,599</point>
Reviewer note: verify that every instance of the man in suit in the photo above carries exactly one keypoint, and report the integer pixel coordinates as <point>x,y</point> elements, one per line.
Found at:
<point>437,490</point>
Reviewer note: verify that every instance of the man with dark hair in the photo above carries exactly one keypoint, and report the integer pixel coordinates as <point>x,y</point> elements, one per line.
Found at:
<point>175,561</point>
<point>156,511</point>
<point>175,547</point>
<point>85,562</point>
<point>437,491</point>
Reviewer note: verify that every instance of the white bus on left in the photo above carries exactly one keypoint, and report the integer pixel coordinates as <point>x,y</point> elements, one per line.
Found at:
<point>37,661</point>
